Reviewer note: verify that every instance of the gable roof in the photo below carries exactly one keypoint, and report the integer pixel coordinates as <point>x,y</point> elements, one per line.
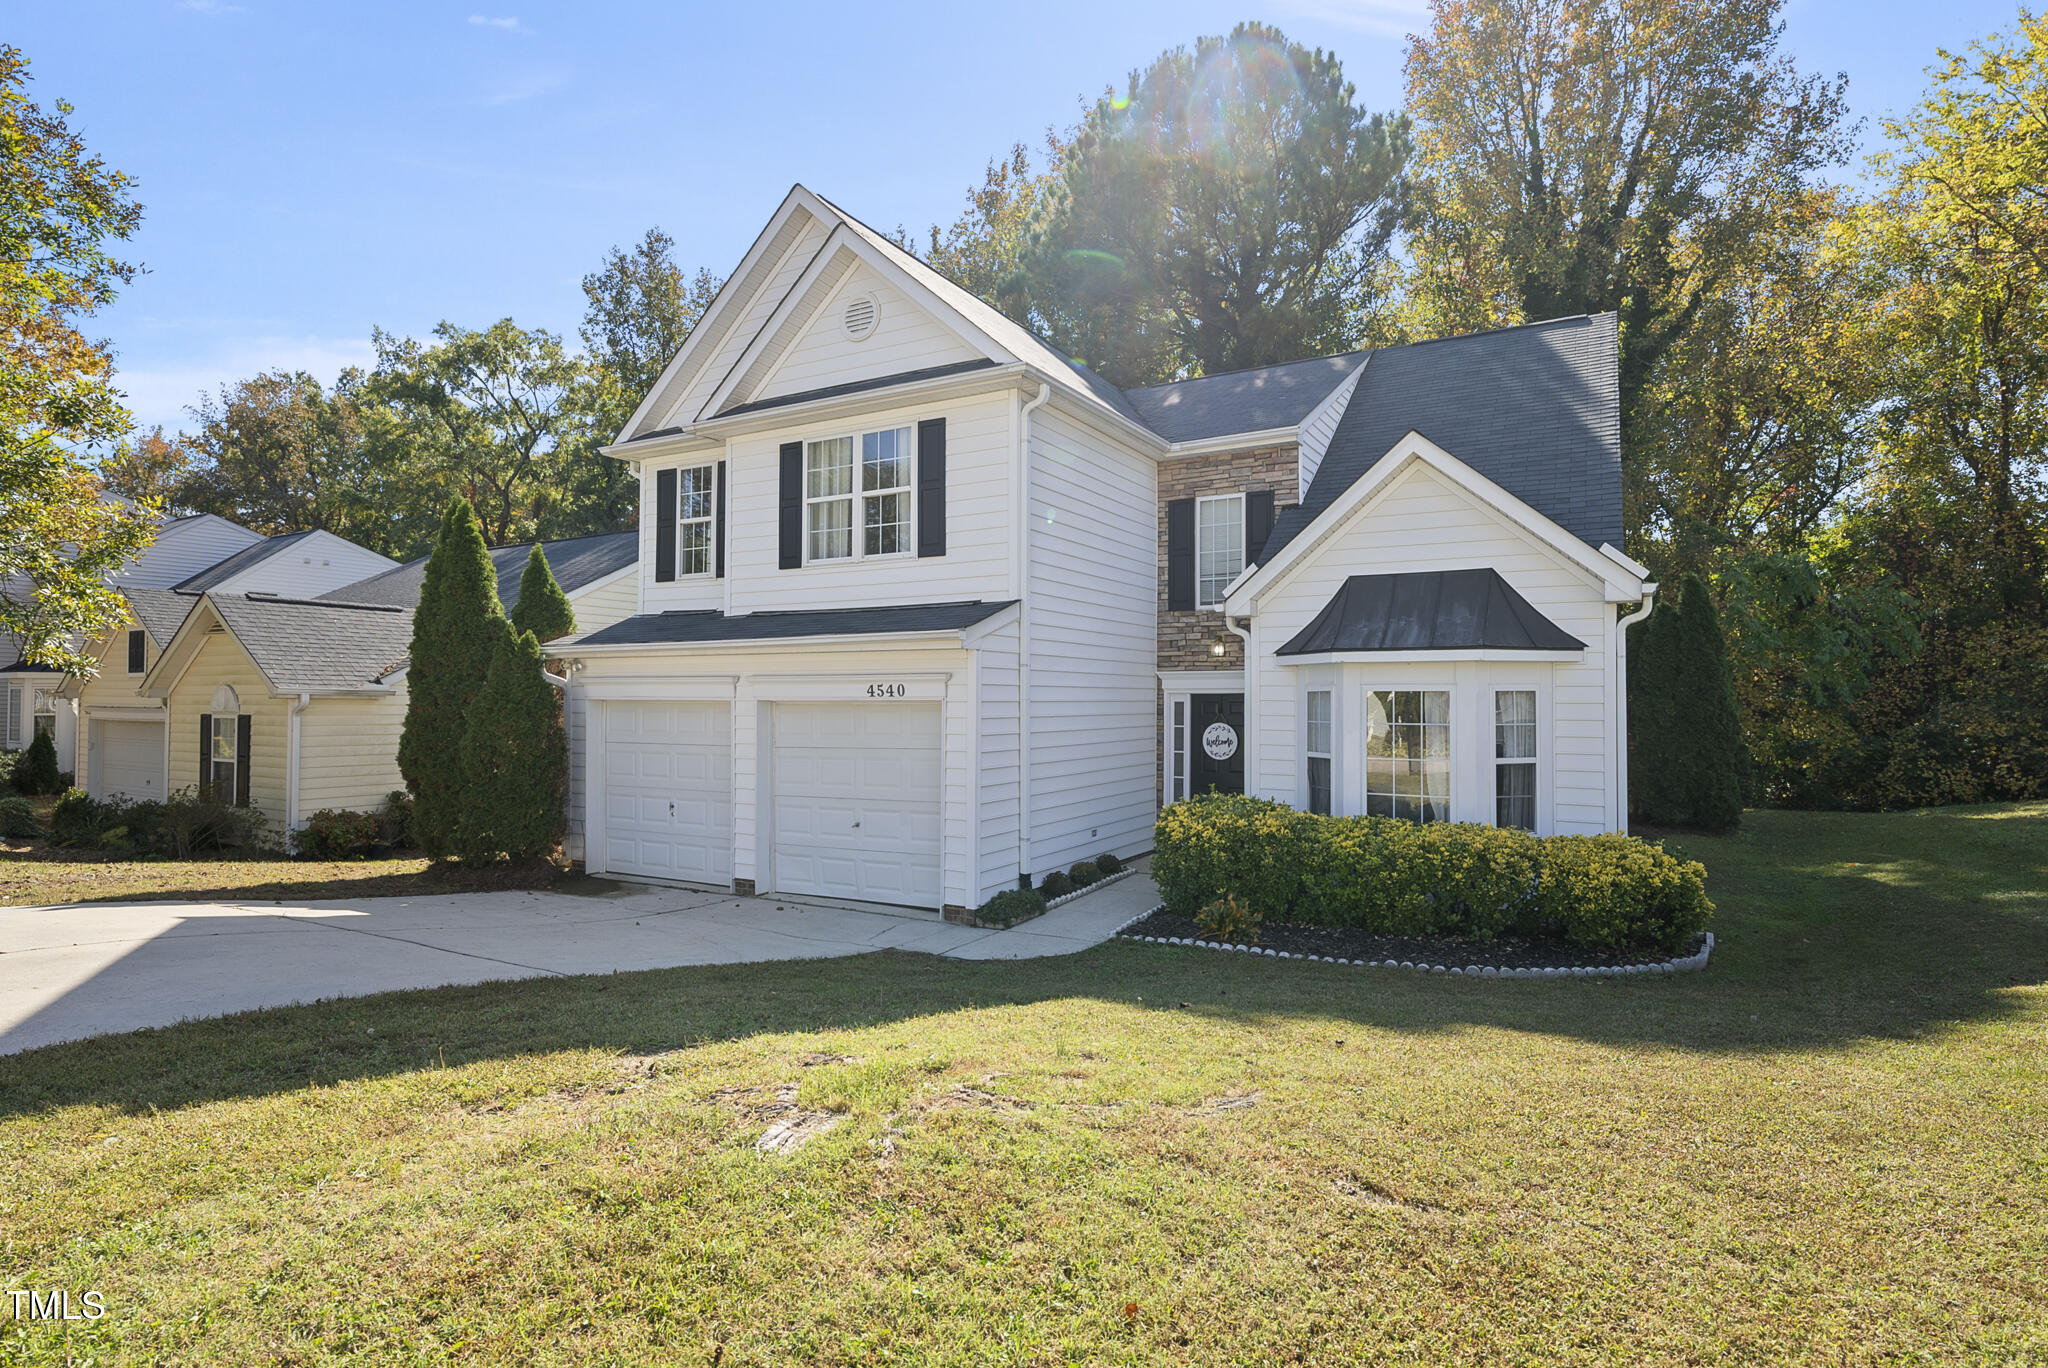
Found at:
<point>160,611</point>
<point>1535,409</point>
<point>577,562</point>
<point>222,571</point>
<point>1430,610</point>
<point>311,645</point>
<point>1253,400</point>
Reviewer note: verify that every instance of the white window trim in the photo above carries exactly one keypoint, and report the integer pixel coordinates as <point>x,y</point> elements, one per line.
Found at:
<point>708,521</point>
<point>1309,752</point>
<point>1456,758</point>
<point>859,497</point>
<point>213,764</point>
<point>1238,499</point>
<point>1545,770</point>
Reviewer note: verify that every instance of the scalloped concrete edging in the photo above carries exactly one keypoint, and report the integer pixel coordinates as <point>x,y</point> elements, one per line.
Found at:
<point>1103,882</point>
<point>1683,964</point>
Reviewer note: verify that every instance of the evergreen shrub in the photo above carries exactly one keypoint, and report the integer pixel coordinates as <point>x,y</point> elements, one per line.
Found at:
<point>18,818</point>
<point>36,772</point>
<point>338,834</point>
<point>1009,907</point>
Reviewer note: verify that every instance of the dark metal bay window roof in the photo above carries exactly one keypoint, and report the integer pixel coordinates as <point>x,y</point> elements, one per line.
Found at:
<point>1437,610</point>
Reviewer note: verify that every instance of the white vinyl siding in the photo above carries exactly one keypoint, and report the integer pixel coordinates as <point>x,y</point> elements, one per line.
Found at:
<point>607,601</point>
<point>312,566</point>
<point>905,338</point>
<point>779,269</point>
<point>183,548</point>
<point>995,813</point>
<point>1219,546</point>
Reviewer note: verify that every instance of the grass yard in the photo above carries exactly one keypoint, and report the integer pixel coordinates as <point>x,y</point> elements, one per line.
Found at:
<point>35,874</point>
<point>1829,1148</point>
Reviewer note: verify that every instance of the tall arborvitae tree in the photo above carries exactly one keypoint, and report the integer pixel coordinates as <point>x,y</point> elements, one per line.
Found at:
<point>543,609</point>
<point>454,630</point>
<point>515,760</point>
<point>1687,762</point>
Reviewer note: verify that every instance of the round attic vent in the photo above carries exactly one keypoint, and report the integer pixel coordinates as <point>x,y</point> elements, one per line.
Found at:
<point>860,317</point>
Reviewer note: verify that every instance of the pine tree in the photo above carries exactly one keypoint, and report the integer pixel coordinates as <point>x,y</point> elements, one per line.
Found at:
<point>1687,760</point>
<point>454,630</point>
<point>36,772</point>
<point>1655,770</point>
<point>543,609</point>
<point>515,760</point>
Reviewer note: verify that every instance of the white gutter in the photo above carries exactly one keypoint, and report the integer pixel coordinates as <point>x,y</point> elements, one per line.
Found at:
<point>291,782</point>
<point>1618,682</point>
<point>1023,573</point>
<point>939,636</point>
<point>1251,697</point>
<point>1233,441</point>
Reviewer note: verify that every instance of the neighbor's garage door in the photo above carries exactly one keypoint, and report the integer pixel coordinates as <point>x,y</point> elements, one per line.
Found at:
<point>125,759</point>
<point>668,791</point>
<point>856,801</point>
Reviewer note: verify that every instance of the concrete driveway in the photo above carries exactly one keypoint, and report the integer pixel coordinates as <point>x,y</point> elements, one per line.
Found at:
<point>92,968</point>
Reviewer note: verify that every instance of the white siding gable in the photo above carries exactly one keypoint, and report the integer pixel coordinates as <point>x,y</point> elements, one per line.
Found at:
<point>1320,426</point>
<point>309,567</point>
<point>185,547</point>
<point>905,337</point>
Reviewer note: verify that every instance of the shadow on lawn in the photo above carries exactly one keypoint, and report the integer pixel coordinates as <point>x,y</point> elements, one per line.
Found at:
<point>1813,952</point>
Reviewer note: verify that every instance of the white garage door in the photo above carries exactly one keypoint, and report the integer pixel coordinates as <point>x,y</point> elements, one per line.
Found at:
<point>668,791</point>
<point>125,759</point>
<point>856,801</point>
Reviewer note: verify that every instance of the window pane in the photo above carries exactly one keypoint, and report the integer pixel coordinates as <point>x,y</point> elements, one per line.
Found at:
<point>830,468</point>
<point>1408,754</point>
<point>831,530</point>
<point>1514,801</point>
<point>1219,546</point>
<point>886,524</point>
<point>224,739</point>
<point>1318,784</point>
<point>885,460</point>
<point>1179,760</point>
<point>694,499</point>
<point>1319,722</point>
<point>223,781</point>
<point>693,556</point>
<point>1514,724</point>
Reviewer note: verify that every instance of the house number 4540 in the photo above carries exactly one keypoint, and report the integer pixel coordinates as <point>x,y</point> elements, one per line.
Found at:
<point>888,691</point>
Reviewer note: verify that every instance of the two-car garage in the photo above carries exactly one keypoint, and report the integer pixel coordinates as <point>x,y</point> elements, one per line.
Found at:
<point>849,796</point>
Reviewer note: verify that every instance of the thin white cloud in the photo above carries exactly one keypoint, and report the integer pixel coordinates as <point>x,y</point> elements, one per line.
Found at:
<point>522,86</point>
<point>212,7</point>
<point>1386,18</point>
<point>162,393</point>
<point>507,24</point>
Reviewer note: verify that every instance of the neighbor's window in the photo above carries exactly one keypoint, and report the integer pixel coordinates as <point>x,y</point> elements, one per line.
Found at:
<point>882,491</point>
<point>693,519</point>
<point>222,778</point>
<point>1219,547</point>
<point>885,492</point>
<point>135,652</point>
<point>45,711</point>
<point>1178,754</point>
<point>1319,750</point>
<point>1408,754</point>
<point>1514,758</point>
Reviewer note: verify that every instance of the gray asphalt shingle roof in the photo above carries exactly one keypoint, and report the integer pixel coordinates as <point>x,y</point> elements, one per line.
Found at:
<point>577,562</point>
<point>313,645</point>
<point>1535,409</point>
<point>684,628</point>
<point>1429,610</point>
<point>1241,401</point>
<point>221,571</point>
<point>160,611</point>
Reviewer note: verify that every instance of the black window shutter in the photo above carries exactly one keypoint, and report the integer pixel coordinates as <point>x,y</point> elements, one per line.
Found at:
<point>664,525</point>
<point>242,760</point>
<point>205,754</point>
<point>134,653</point>
<point>931,487</point>
<point>1180,555</point>
<point>1258,523</point>
<point>792,508</point>
<point>719,534</point>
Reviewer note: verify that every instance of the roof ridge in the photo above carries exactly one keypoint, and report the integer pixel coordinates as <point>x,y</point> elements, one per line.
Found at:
<point>1246,370</point>
<point>262,596</point>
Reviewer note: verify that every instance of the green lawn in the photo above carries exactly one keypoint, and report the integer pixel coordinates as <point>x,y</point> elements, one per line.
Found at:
<point>33,873</point>
<point>1829,1148</point>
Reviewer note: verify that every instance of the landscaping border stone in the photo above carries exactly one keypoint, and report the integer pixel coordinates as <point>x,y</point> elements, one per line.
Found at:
<point>1104,882</point>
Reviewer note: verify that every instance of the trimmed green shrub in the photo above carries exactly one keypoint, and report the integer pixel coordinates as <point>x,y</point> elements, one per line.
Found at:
<point>193,821</point>
<point>36,772</point>
<point>1010,906</point>
<point>455,630</point>
<point>1084,873</point>
<point>515,760</point>
<point>543,609</point>
<point>1228,919</point>
<point>1109,864</point>
<point>78,818</point>
<point>1390,877</point>
<point>1688,761</point>
<point>395,820</point>
<point>8,760</point>
<point>337,834</point>
<point>1056,885</point>
<point>18,818</point>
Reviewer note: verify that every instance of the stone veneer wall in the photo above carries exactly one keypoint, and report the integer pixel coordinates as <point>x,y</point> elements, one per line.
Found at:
<point>1185,637</point>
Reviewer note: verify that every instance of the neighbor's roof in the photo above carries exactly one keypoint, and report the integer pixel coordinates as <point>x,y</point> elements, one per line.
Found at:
<point>313,644</point>
<point>577,563</point>
<point>1430,610</point>
<point>160,611</point>
<point>1535,409</point>
<point>1251,400</point>
<point>684,628</point>
<point>222,571</point>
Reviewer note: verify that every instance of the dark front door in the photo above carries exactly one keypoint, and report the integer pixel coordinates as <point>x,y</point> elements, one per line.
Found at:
<point>1216,738</point>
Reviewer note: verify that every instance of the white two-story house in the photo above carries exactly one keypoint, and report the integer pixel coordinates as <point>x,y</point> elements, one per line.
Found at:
<point>927,610</point>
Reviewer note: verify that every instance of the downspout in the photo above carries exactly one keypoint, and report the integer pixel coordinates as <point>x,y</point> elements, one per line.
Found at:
<point>1023,573</point>
<point>291,787</point>
<point>1620,687</point>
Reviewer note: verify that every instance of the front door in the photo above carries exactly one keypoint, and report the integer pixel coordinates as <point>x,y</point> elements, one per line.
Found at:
<point>1216,738</point>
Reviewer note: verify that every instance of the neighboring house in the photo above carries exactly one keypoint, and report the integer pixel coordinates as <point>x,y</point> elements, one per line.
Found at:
<point>120,749</point>
<point>294,704</point>
<point>927,609</point>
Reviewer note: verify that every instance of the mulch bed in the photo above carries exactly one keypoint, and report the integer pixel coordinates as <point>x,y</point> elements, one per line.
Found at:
<point>1448,951</point>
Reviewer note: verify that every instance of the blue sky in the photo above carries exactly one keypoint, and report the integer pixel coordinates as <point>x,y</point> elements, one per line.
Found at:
<point>309,171</point>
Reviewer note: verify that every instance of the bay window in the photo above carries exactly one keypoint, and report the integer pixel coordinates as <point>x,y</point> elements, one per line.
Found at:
<point>1514,758</point>
<point>1408,754</point>
<point>1318,749</point>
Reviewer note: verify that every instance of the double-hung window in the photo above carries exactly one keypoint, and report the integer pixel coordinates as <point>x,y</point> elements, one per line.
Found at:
<point>221,775</point>
<point>862,485</point>
<point>1318,747</point>
<point>137,654</point>
<point>45,701</point>
<point>1408,754</point>
<point>695,495</point>
<point>1219,547</point>
<point>1514,758</point>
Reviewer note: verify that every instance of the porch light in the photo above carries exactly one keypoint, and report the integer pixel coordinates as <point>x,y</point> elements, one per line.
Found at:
<point>1218,647</point>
